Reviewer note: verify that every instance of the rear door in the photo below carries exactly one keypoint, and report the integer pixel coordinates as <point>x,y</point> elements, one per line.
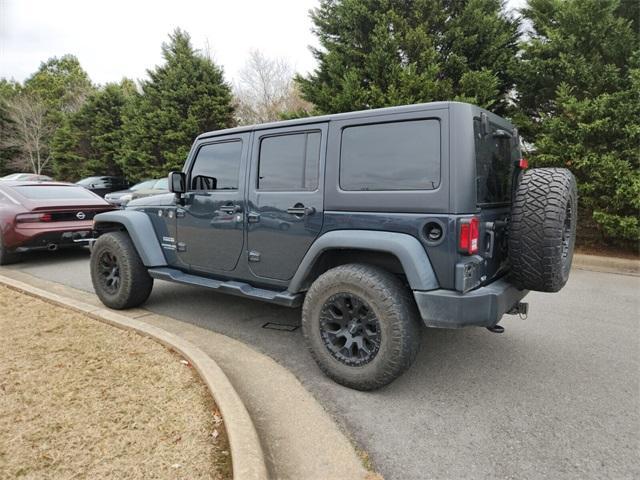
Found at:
<point>285,198</point>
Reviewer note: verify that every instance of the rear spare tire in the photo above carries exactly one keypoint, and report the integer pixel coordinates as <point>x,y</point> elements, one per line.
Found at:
<point>542,230</point>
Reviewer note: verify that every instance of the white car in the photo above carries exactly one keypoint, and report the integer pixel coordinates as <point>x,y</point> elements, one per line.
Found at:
<point>31,177</point>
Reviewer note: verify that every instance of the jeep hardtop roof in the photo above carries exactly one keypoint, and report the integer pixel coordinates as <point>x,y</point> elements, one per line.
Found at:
<point>357,114</point>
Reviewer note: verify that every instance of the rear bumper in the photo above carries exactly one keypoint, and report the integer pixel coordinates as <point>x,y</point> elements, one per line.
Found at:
<point>62,234</point>
<point>482,307</point>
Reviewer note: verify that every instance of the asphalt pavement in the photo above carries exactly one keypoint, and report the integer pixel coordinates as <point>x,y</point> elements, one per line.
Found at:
<point>556,396</point>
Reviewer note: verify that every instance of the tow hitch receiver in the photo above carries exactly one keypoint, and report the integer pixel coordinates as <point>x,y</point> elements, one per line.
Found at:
<point>520,308</point>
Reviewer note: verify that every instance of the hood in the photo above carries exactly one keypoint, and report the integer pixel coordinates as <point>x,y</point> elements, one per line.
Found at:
<point>118,194</point>
<point>164,199</point>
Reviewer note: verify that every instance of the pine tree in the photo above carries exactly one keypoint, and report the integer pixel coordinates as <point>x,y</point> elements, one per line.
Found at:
<point>89,140</point>
<point>62,84</point>
<point>182,98</point>
<point>39,108</point>
<point>579,99</point>
<point>7,153</point>
<point>377,53</point>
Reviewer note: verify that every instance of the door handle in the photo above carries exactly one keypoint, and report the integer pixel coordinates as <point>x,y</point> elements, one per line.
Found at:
<point>301,210</point>
<point>231,209</point>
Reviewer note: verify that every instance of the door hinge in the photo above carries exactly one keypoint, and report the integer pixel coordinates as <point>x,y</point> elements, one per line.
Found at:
<point>254,256</point>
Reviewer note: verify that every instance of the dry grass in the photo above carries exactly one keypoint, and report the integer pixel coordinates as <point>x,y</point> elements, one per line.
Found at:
<point>81,399</point>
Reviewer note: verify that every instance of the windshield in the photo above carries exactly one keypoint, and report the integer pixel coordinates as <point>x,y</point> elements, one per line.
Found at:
<point>13,176</point>
<point>88,181</point>
<point>54,192</point>
<point>144,185</point>
<point>495,161</point>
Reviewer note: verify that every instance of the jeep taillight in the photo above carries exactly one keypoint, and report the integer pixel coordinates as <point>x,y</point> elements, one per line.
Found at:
<point>469,235</point>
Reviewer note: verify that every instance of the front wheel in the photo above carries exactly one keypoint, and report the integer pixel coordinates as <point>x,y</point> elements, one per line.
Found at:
<point>361,326</point>
<point>119,277</point>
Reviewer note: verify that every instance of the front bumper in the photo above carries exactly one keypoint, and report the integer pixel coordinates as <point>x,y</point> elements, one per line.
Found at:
<point>482,307</point>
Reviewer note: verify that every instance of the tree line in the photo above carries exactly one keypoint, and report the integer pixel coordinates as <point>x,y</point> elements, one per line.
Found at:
<point>566,72</point>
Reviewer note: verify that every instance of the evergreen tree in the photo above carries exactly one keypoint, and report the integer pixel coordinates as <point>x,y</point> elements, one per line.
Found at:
<point>89,140</point>
<point>377,53</point>
<point>579,99</point>
<point>7,153</point>
<point>62,84</point>
<point>38,108</point>
<point>184,97</point>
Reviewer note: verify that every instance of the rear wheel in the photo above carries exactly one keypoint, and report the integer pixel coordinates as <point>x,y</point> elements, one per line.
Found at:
<point>361,326</point>
<point>7,257</point>
<point>542,230</point>
<point>119,277</point>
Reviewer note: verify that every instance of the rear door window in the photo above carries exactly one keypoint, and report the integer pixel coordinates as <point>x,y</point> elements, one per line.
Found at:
<point>289,162</point>
<point>391,156</point>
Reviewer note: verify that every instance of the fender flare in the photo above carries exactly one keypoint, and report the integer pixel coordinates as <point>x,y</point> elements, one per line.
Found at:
<point>407,249</point>
<point>139,227</point>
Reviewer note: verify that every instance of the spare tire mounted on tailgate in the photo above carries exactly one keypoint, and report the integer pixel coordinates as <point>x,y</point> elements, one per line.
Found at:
<point>543,229</point>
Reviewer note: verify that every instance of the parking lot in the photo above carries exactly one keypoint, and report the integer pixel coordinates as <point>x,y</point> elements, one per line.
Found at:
<point>555,396</point>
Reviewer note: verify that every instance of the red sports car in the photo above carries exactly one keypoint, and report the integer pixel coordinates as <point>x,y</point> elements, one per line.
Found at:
<point>44,216</point>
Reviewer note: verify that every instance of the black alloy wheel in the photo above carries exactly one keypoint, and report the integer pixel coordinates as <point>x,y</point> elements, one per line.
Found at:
<point>567,233</point>
<point>109,271</point>
<point>350,329</point>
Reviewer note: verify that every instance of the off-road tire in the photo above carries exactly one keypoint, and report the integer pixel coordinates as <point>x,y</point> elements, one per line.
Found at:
<point>135,283</point>
<point>542,231</point>
<point>396,313</point>
<point>6,257</point>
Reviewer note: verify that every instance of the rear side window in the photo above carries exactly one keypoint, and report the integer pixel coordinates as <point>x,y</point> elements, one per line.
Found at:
<point>289,162</point>
<point>50,192</point>
<point>217,166</point>
<point>495,161</point>
<point>391,156</point>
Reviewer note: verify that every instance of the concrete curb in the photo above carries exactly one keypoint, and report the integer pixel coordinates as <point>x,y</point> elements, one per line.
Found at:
<point>597,263</point>
<point>247,457</point>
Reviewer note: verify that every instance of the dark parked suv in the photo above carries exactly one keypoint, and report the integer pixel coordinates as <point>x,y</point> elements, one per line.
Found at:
<point>377,222</point>
<point>103,185</point>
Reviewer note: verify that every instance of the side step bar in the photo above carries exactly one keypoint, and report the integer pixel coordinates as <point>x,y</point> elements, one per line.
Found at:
<point>234,288</point>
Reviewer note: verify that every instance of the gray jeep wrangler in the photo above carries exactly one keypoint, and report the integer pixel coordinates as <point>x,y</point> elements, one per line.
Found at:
<point>377,222</point>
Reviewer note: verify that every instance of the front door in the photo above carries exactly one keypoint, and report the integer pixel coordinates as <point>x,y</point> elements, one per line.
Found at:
<point>210,224</point>
<point>285,198</point>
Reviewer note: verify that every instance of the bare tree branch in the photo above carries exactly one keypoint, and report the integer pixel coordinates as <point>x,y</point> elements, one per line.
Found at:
<point>266,90</point>
<point>29,132</point>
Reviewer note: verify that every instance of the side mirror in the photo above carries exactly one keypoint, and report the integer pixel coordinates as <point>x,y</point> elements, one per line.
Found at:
<point>177,183</point>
